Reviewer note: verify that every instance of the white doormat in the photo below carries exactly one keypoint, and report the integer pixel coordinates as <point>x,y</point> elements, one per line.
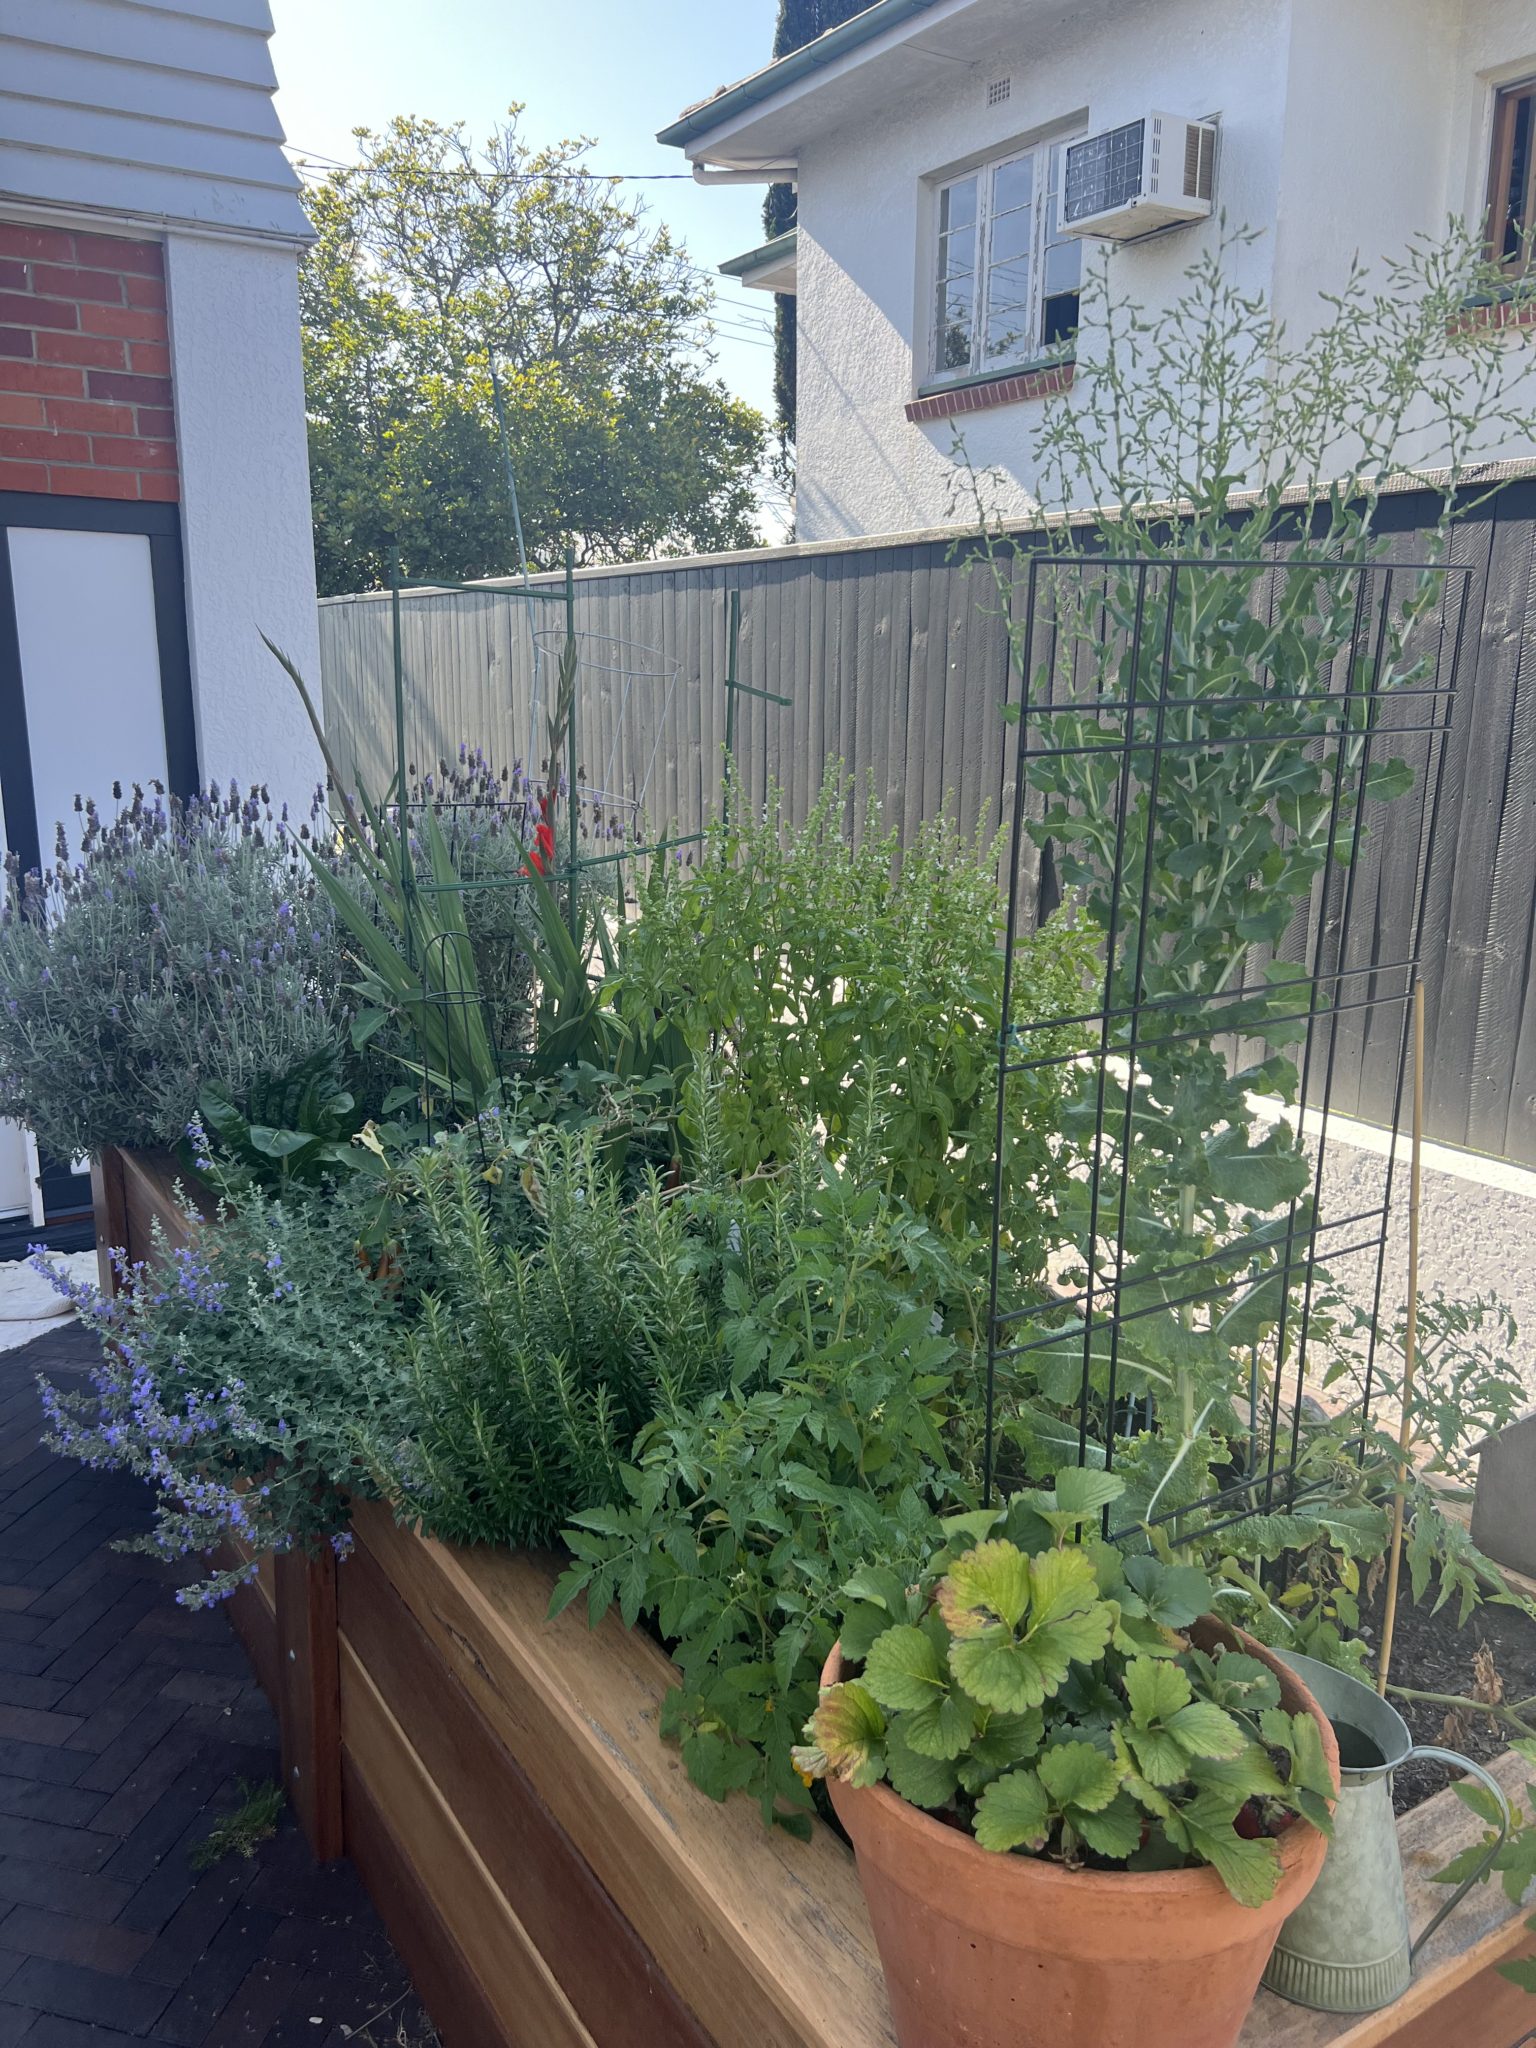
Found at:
<point>27,1298</point>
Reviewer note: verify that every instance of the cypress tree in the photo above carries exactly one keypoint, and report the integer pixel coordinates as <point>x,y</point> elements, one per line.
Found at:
<point>800,22</point>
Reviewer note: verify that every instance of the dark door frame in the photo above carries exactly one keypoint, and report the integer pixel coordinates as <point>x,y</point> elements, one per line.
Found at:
<point>161,524</point>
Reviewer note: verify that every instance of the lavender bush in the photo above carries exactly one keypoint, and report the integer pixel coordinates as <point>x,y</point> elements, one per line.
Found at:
<point>185,945</point>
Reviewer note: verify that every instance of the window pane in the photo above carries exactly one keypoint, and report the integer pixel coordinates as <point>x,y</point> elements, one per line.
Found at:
<point>1516,225</point>
<point>1013,184</point>
<point>1059,319</point>
<point>954,318</point>
<point>956,299</point>
<point>957,206</point>
<point>1012,234</point>
<point>1008,322</point>
<point>1010,261</point>
<point>1061,265</point>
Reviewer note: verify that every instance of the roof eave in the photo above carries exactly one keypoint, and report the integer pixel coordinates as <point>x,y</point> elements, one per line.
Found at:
<point>787,72</point>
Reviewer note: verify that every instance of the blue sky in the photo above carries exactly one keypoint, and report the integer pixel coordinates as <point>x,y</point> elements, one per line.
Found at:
<point>616,70</point>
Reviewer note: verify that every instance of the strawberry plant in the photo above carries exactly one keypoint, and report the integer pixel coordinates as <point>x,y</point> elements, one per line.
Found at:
<point>1042,1690</point>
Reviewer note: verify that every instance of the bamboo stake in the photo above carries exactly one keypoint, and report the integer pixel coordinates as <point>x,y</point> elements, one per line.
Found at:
<point>1410,1343</point>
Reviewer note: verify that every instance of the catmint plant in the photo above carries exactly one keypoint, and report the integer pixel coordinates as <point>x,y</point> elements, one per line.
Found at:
<point>239,1375</point>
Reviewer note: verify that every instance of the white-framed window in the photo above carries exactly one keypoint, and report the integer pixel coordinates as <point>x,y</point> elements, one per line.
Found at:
<point>1007,282</point>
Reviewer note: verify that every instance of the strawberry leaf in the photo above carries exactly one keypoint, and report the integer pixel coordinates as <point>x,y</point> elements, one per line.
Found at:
<point>924,1780</point>
<point>1249,1870</point>
<point>1014,1813</point>
<point>1156,1689</point>
<point>1115,1832</point>
<point>1078,1777</point>
<point>903,1671</point>
<point>990,1584</point>
<point>1204,1730</point>
<point>845,1737</point>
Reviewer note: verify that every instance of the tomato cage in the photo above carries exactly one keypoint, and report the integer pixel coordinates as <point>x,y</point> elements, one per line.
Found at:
<point>513,885</point>
<point>1231,769</point>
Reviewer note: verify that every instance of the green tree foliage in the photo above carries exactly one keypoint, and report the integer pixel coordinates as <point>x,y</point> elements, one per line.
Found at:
<point>435,259</point>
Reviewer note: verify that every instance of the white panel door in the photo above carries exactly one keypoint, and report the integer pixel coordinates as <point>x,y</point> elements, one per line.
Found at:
<point>90,668</point>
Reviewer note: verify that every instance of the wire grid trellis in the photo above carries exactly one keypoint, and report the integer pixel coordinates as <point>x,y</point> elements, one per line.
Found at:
<point>626,692</point>
<point>1191,732</point>
<point>594,697</point>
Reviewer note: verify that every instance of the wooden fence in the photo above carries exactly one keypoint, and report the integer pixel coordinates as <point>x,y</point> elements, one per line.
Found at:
<point>895,660</point>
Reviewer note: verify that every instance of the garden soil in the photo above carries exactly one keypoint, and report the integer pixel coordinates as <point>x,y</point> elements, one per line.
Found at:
<point>1431,1654</point>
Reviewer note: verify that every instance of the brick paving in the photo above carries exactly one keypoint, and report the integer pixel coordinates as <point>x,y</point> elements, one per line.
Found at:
<point>126,1723</point>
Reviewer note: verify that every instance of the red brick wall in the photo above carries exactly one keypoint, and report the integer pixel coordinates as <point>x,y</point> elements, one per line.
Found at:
<point>85,366</point>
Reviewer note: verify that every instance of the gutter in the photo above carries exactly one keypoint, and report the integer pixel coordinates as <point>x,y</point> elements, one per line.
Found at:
<point>760,174</point>
<point>799,64</point>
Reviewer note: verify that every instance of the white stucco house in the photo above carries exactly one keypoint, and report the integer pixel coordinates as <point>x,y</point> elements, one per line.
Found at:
<point>154,488</point>
<point>930,140</point>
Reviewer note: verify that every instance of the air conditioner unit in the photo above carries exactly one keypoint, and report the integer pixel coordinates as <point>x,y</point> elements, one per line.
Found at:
<point>1127,182</point>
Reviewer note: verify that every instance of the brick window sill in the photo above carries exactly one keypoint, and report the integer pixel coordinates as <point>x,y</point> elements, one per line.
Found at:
<point>1516,313</point>
<point>1012,388</point>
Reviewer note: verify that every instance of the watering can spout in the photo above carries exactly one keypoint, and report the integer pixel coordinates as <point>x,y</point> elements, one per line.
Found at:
<point>1348,1947</point>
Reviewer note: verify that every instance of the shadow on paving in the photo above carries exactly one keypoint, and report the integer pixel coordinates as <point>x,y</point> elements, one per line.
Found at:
<point>126,1724</point>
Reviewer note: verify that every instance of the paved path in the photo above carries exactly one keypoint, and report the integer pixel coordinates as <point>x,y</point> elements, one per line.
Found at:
<point>125,1723</point>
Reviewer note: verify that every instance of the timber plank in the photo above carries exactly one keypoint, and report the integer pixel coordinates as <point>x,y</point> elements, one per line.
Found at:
<point>110,1207</point>
<point>253,1616</point>
<point>310,1707</point>
<point>517,1984</point>
<point>149,1197</point>
<point>767,1938</point>
<point>439,1969</point>
<point>627,2003</point>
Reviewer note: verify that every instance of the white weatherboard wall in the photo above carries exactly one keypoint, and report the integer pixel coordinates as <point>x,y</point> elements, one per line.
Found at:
<point>157,120</point>
<point>150,112</point>
<point>239,393</point>
<point>1344,130</point>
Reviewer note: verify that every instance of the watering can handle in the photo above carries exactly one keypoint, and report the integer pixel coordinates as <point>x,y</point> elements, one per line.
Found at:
<point>1463,1763</point>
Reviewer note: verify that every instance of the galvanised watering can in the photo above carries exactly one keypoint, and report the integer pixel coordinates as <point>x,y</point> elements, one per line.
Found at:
<point>1347,1947</point>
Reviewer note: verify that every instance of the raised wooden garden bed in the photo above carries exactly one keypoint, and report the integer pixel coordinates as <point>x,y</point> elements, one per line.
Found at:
<point>549,1874</point>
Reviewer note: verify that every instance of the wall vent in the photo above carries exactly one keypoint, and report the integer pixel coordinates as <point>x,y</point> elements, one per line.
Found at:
<point>999,90</point>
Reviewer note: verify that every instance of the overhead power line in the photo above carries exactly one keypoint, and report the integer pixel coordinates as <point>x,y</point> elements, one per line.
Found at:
<point>313,160</point>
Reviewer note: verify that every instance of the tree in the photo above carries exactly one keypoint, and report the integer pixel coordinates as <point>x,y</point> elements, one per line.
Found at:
<point>435,262</point>
<point>800,22</point>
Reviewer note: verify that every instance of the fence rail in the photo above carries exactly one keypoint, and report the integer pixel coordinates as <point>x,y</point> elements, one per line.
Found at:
<point>895,660</point>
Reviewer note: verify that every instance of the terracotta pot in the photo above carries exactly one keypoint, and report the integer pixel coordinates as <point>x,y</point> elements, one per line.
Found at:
<point>989,1951</point>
